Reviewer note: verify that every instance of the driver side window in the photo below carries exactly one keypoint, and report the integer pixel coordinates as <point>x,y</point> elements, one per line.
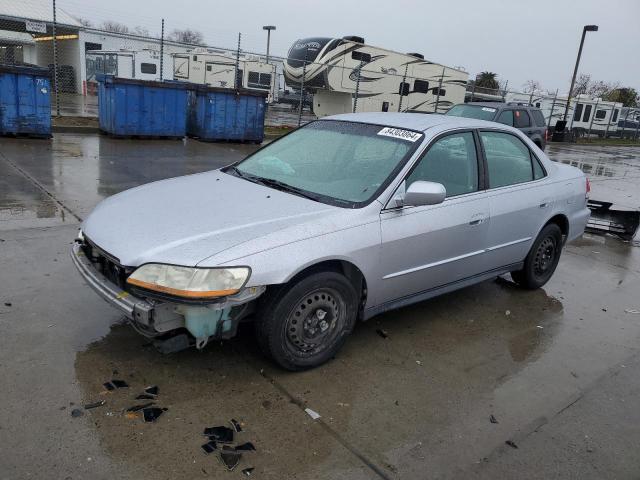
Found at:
<point>451,161</point>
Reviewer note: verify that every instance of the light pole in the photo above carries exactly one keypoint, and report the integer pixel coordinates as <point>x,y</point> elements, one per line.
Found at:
<point>585,29</point>
<point>268,28</point>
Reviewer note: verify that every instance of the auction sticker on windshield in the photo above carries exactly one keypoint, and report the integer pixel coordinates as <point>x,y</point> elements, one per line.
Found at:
<point>399,133</point>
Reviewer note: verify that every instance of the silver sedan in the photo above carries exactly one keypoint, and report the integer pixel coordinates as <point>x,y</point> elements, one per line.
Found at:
<point>338,221</point>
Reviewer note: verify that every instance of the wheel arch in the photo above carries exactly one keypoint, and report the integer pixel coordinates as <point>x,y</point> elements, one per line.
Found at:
<point>343,266</point>
<point>562,221</point>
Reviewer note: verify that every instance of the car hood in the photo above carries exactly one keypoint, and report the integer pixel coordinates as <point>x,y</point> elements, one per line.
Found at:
<point>184,220</point>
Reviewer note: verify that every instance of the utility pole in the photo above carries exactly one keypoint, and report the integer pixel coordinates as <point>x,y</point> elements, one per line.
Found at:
<point>268,28</point>
<point>55,61</point>
<point>585,29</point>
<point>161,48</point>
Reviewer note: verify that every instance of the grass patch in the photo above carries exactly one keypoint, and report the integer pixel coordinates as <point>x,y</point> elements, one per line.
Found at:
<point>609,141</point>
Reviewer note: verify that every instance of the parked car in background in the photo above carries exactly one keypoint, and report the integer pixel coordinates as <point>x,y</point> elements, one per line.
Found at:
<point>340,220</point>
<point>526,118</point>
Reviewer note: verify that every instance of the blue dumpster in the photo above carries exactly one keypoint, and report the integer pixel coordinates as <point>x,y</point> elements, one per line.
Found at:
<point>130,107</point>
<point>25,103</point>
<point>222,114</point>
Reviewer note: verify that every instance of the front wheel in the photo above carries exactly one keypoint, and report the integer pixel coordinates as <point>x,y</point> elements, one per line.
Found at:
<point>542,259</point>
<point>304,324</point>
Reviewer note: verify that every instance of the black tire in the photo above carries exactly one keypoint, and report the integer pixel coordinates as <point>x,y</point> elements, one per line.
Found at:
<point>293,329</point>
<point>541,260</point>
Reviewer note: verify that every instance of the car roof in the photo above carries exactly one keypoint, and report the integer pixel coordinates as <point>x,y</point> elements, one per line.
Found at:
<point>413,121</point>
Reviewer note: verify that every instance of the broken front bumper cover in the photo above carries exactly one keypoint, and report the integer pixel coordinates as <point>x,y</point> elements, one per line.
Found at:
<point>154,318</point>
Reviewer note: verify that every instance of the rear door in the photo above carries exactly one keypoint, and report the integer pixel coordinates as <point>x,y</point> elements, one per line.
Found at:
<point>523,122</point>
<point>520,197</point>
<point>434,245</point>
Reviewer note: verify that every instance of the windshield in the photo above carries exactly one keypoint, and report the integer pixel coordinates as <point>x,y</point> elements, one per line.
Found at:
<point>332,161</point>
<point>472,111</point>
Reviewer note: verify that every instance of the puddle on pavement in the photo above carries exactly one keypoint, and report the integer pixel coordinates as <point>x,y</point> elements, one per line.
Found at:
<point>614,172</point>
<point>81,170</point>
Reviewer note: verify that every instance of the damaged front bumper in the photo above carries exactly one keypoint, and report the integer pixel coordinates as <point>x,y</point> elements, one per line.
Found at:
<point>152,318</point>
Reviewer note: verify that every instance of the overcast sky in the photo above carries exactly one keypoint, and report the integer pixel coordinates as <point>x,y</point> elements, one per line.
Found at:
<point>518,39</point>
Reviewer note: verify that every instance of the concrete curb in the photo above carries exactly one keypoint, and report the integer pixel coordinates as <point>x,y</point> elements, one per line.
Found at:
<point>74,129</point>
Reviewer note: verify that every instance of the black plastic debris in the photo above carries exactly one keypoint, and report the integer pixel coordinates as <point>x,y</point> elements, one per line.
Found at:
<point>236,425</point>
<point>229,457</point>
<point>76,412</point>
<point>492,419</point>
<point>152,390</point>
<point>219,434</point>
<point>173,344</point>
<point>136,408</point>
<point>89,406</point>
<point>511,444</point>
<point>382,333</point>
<point>246,447</point>
<point>248,471</point>
<point>209,447</point>
<point>7,304</point>
<point>144,396</point>
<point>120,384</point>
<point>151,414</point>
<point>109,386</point>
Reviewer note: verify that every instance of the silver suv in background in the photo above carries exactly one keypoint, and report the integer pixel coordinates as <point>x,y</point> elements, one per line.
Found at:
<point>526,118</point>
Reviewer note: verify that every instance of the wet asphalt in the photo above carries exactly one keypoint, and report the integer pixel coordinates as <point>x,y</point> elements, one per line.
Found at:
<point>558,368</point>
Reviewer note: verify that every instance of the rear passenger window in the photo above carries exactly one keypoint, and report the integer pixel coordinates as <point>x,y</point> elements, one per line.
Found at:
<point>522,119</point>
<point>506,117</point>
<point>587,114</point>
<point>451,161</point>
<point>508,159</point>
<point>539,118</point>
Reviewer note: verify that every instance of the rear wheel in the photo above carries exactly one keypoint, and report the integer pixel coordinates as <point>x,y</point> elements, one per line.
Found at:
<point>305,324</point>
<point>542,259</point>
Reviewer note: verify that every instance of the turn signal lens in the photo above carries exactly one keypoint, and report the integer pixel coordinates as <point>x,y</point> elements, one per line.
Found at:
<point>190,282</point>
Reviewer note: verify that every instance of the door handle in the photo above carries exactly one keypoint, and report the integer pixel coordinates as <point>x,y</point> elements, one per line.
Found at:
<point>477,219</point>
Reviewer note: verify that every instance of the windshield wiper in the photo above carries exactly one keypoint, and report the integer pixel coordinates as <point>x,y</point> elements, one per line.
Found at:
<point>284,187</point>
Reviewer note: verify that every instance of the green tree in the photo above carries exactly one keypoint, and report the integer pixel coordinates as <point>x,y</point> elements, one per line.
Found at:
<point>628,96</point>
<point>487,80</point>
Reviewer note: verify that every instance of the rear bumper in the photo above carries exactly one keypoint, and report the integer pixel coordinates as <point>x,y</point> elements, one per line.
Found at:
<point>577,223</point>
<point>134,308</point>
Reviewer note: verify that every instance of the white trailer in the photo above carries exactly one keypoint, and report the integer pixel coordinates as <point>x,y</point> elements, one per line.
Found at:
<point>142,64</point>
<point>217,69</point>
<point>585,113</point>
<point>335,68</point>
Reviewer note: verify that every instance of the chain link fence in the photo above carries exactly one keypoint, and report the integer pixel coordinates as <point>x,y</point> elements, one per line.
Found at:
<point>76,48</point>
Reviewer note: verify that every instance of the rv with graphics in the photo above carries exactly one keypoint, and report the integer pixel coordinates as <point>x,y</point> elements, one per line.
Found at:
<point>585,113</point>
<point>386,81</point>
<point>216,68</point>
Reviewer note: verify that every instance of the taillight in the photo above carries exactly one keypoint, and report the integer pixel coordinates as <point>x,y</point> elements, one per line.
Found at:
<point>587,188</point>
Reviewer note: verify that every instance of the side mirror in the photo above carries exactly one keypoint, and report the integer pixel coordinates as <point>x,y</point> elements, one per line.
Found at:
<point>424,193</point>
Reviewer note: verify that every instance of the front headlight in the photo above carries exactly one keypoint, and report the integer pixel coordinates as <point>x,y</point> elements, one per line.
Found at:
<point>190,282</point>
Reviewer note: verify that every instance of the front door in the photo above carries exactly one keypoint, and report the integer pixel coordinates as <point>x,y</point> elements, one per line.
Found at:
<point>430,246</point>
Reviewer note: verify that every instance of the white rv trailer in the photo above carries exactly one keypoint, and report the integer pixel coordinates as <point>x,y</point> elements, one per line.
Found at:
<point>334,68</point>
<point>142,64</point>
<point>216,68</point>
<point>585,113</point>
